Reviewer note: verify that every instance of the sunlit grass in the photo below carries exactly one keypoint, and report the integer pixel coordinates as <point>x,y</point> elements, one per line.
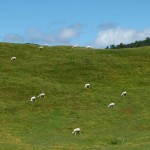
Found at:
<point>61,73</point>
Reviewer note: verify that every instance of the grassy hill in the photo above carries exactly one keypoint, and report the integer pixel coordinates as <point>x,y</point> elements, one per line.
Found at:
<point>61,73</point>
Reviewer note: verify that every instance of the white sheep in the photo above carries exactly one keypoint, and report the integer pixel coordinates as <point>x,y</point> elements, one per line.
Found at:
<point>74,46</point>
<point>33,98</point>
<point>111,105</point>
<point>41,47</point>
<point>76,131</point>
<point>13,58</point>
<point>87,86</point>
<point>42,95</point>
<point>123,94</point>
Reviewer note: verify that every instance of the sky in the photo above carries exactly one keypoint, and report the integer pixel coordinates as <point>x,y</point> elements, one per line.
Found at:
<point>95,23</point>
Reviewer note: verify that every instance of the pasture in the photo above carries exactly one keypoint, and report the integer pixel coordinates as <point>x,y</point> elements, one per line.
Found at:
<point>61,73</point>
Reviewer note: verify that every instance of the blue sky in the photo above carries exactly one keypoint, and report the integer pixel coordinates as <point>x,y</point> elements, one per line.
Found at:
<point>97,23</point>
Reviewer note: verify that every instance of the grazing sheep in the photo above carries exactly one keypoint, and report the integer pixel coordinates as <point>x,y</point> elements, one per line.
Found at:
<point>42,95</point>
<point>41,47</point>
<point>74,46</point>
<point>13,58</point>
<point>76,131</point>
<point>87,86</point>
<point>111,105</point>
<point>33,98</point>
<point>123,94</point>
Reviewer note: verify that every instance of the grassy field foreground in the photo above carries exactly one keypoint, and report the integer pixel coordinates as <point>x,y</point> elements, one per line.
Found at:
<point>61,73</point>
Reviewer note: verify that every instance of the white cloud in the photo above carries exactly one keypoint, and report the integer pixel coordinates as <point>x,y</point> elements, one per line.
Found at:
<point>13,38</point>
<point>36,36</point>
<point>70,32</point>
<point>117,35</point>
<point>107,35</point>
<point>57,36</point>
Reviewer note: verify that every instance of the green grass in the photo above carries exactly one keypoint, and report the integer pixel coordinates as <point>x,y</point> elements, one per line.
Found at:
<point>61,73</point>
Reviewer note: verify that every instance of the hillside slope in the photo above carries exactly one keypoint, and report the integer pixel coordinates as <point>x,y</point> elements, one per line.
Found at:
<point>61,73</point>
